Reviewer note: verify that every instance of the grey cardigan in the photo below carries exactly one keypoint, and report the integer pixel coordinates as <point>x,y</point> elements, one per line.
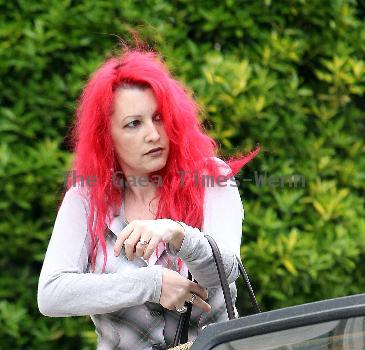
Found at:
<point>68,288</point>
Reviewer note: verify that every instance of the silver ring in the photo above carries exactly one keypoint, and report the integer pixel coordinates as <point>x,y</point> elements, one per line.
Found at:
<point>182,309</point>
<point>193,297</point>
<point>142,242</point>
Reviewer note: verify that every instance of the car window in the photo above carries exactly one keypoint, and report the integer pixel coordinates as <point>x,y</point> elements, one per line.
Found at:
<point>345,334</point>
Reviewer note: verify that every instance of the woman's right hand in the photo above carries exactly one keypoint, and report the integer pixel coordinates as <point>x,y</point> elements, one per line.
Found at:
<point>176,290</point>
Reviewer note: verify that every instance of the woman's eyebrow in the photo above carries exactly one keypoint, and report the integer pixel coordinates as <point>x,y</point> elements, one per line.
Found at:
<point>139,115</point>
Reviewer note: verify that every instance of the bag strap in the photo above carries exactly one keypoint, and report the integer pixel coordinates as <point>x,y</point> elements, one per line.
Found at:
<point>224,281</point>
<point>183,326</point>
<point>181,335</point>
<point>248,286</point>
<point>222,277</point>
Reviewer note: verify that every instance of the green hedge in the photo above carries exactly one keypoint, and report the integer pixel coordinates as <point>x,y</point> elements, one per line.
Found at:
<point>288,74</point>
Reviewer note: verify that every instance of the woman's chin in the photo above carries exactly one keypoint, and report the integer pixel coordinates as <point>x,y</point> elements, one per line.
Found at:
<point>146,168</point>
<point>151,166</point>
<point>156,167</point>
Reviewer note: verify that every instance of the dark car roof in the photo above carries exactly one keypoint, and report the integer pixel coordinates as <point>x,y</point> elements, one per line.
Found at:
<point>277,320</point>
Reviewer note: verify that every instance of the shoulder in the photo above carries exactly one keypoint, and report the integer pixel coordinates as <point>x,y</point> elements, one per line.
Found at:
<point>224,189</point>
<point>76,196</point>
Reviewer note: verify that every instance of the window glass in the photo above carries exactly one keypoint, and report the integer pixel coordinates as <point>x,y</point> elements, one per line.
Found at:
<point>347,334</point>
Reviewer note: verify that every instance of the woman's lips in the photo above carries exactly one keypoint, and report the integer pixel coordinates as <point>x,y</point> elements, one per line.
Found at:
<point>155,153</point>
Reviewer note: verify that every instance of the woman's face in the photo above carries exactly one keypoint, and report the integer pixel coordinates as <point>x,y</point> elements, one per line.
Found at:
<point>136,129</point>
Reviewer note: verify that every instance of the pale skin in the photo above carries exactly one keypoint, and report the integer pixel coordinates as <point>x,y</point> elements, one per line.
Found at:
<point>137,128</point>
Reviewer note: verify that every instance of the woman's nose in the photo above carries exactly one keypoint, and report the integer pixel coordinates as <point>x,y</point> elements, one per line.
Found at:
<point>152,134</point>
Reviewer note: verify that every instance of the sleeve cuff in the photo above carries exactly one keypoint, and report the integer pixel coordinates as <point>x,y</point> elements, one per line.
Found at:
<point>170,250</point>
<point>190,242</point>
<point>157,283</point>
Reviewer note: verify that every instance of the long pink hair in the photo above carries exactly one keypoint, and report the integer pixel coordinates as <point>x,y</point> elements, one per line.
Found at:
<point>190,147</point>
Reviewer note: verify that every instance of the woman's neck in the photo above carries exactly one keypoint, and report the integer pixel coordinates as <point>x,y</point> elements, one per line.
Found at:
<point>141,194</point>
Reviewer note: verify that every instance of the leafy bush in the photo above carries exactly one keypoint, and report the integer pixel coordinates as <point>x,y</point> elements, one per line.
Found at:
<point>288,74</point>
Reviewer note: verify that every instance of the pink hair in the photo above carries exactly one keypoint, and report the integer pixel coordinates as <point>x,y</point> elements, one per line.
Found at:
<point>190,147</point>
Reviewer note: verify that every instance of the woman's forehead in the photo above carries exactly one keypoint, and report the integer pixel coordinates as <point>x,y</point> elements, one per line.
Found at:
<point>134,101</point>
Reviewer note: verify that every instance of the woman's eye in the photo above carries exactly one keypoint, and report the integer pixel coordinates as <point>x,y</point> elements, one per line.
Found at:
<point>133,124</point>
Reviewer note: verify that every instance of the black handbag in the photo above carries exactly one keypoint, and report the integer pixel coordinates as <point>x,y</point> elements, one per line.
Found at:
<point>181,337</point>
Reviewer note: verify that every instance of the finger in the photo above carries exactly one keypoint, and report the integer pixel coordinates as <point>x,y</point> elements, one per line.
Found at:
<point>141,248</point>
<point>201,304</point>
<point>131,242</point>
<point>123,235</point>
<point>198,290</point>
<point>150,248</point>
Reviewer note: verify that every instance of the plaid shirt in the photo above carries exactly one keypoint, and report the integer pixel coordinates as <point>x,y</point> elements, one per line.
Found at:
<point>150,326</point>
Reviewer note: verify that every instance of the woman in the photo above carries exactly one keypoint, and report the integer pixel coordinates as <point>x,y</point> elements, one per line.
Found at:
<point>131,225</point>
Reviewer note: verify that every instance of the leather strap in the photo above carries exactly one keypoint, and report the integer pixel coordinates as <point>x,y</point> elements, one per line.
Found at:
<point>247,283</point>
<point>222,277</point>
<point>183,326</point>
<point>181,335</point>
<point>224,281</point>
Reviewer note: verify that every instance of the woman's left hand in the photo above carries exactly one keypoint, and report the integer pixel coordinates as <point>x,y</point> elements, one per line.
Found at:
<point>151,231</point>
